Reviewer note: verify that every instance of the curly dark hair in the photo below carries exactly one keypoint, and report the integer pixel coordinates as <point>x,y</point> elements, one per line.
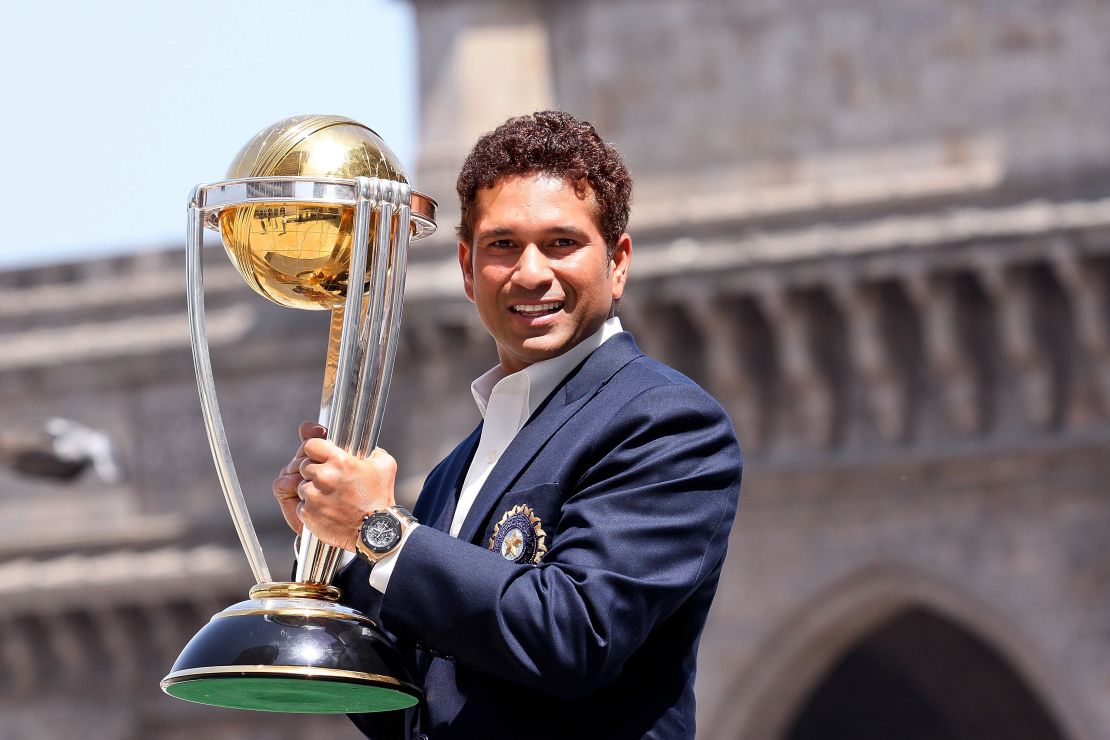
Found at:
<point>552,143</point>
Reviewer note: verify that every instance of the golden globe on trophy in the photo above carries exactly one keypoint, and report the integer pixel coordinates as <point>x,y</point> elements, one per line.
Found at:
<point>311,205</point>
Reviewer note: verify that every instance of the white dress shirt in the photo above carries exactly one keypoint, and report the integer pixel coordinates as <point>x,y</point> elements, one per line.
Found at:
<point>506,402</point>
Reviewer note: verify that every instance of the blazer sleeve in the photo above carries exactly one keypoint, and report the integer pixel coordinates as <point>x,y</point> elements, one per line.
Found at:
<point>639,532</point>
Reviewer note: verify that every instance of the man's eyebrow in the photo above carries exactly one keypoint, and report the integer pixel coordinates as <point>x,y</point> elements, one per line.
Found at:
<point>502,231</point>
<point>574,231</point>
<point>492,233</point>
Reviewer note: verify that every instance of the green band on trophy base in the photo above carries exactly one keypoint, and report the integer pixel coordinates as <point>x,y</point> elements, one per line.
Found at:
<point>306,696</point>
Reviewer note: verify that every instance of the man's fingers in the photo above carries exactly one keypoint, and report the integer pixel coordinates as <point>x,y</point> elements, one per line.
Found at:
<point>325,477</point>
<point>285,487</point>
<point>321,450</point>
<point>294,465</point>
<point>307,469</point>
<point>383,461</point>
<point>307,489</point>
<point>310,430</point>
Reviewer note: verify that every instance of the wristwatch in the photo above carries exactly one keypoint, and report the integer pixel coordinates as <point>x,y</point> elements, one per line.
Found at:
<point>381,531</point>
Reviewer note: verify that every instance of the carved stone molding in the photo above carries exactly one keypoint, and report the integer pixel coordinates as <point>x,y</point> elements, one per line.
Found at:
<point>727,370</point>
<point>1012,298</point>
<point>1089,295</point>
<point>20,657</point>
<point>885,386</point>
<point>809,397</point>
<point>953,371</point>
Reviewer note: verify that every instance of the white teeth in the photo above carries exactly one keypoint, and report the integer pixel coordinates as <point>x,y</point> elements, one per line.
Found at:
<point>535,308</point>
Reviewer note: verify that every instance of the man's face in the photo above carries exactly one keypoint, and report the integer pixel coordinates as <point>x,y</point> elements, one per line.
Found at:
<point>537,268</point>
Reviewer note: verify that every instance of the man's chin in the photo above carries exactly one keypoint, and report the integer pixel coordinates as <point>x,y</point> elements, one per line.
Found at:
<point>539,349</point>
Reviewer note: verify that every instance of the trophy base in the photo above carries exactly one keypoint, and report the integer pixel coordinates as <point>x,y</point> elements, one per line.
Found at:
<point>281,651</point>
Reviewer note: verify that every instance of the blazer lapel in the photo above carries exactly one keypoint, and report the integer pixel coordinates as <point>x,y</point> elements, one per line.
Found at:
<point>449,482</point>
<point>564,402</point>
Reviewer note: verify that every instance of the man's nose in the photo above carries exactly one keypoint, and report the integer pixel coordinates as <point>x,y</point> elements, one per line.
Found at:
<point>532,269</point>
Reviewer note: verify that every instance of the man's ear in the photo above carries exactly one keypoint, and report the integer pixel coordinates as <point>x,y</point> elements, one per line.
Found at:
<point>467,266</point>
<point>619,264</point>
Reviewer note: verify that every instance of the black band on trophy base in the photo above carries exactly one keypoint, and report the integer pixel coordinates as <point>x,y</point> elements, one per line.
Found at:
<point>292,655</point>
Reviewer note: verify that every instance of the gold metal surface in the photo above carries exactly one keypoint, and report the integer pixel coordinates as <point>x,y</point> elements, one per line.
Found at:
<point>291,611</point>
<point>297,254</point>
<point>295,590</point>
<point>301,671</point>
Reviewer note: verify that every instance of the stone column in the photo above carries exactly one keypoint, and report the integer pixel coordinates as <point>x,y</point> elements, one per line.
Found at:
<point>810,400</point>
<point>727,375</point>
<point>884,387</point>
<point>1090,303</point>
<point>960,394</point>
<point>1012,298</point>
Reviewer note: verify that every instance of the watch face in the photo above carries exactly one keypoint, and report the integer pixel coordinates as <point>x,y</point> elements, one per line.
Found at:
<point>381,532</point>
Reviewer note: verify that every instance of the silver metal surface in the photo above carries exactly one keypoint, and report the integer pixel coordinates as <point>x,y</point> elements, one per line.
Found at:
<point>351,344</point>
<point>374,326</point>
<point>214,197</point>
<point>279,189</point>
<point>213,422</point>
<point>317,561</point>
<point>395,295</point>
<point>352,406</point>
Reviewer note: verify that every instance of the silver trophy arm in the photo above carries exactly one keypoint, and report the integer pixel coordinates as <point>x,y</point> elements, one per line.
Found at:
<point>317,561</point>
<point>213,423</point>
<point>378,391</point>
<point>355,403</point>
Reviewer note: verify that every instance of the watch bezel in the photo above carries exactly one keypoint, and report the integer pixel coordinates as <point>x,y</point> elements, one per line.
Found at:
<point>395,526</point>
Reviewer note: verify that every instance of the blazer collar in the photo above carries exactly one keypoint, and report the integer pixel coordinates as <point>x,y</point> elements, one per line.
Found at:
<point>564,402</point>
<point>449,482</point>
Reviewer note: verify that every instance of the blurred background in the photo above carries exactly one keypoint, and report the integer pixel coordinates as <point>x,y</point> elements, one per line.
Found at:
<point>877,230</point>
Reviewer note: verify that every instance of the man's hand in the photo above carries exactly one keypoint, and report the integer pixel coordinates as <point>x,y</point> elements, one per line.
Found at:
<point>289,478</point>
<point>339,489</point>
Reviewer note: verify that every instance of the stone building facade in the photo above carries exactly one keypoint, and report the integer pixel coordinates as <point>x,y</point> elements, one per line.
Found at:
<point>878,231</point>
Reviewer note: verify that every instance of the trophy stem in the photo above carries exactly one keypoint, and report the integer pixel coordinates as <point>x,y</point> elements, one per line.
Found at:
<point>342,405</point>
<point>213,422</point>
<point>331,367</point>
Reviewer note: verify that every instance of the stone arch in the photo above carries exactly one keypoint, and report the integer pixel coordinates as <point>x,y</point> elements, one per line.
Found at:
<point>766,696</point>
<point>920,676</point>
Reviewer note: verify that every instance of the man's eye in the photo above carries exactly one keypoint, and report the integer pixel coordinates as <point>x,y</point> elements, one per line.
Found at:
<point>564,242</point>
<point>501,244</point>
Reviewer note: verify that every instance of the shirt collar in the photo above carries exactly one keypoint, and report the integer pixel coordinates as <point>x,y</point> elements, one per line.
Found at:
<point>541,378</point>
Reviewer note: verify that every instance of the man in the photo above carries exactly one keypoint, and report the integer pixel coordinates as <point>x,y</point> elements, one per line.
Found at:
<point>567,551</point>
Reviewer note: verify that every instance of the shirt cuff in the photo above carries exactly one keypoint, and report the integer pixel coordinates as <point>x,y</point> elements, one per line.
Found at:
<point>383,569</point>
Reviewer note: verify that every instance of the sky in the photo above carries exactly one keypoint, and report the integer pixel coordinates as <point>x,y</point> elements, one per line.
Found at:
<point>116,109</point>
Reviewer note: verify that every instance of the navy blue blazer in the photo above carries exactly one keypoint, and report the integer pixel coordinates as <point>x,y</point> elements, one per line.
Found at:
<point>633,472</point>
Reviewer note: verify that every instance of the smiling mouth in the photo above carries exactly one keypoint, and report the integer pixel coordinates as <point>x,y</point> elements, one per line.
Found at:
<point>536,309</point>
